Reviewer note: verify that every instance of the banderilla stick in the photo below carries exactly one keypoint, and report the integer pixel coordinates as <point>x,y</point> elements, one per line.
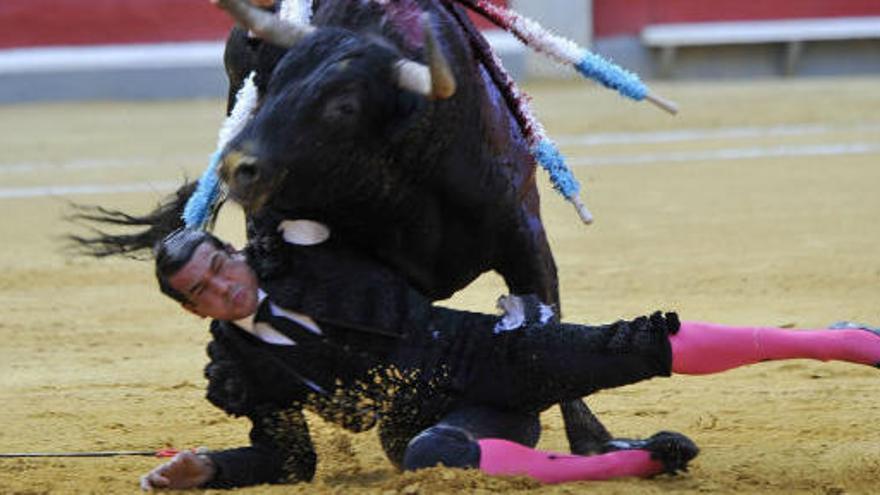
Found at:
<point>106,453</point>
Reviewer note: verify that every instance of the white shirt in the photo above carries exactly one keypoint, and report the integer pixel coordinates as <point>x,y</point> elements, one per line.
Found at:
<point>267,333</point>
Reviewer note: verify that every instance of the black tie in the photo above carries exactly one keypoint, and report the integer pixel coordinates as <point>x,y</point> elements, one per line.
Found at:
<point>295,332</point>
<point>291,329</point>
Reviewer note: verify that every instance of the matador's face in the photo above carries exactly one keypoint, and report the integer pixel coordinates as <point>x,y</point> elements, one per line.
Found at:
<point>218,284</point>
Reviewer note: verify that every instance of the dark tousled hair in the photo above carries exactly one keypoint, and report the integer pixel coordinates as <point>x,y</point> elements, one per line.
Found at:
<point>175,251</point>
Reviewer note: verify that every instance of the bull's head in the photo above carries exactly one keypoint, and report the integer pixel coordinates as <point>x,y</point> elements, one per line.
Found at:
<point>332,94</point>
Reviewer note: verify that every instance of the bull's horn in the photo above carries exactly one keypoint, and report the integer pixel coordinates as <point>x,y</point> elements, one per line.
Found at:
<point>263,24</point>
<point>436,79</point>
<point>304,232</point>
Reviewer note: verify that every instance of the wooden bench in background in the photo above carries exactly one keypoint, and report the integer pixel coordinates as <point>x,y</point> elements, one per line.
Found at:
<point>792,32</point>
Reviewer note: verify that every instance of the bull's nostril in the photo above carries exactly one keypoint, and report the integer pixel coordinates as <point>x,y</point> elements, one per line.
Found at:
<point>246,173</point>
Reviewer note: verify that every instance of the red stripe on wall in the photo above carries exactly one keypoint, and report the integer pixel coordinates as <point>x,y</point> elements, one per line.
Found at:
<point>616,17</point>
<point>81,22</point>
<point>88,22</point>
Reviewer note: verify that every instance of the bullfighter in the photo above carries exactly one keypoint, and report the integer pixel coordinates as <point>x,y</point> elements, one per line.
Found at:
<point>443,386</point>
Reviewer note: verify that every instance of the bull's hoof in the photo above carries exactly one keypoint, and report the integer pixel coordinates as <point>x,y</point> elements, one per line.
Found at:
<point>673,450</point>
<point>851,325</point>
<point>586,434</point>
<point>584,446</point>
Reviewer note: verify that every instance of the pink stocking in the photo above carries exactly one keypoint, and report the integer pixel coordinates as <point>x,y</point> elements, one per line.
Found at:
<point>501,457</point>
<point>703,348</point>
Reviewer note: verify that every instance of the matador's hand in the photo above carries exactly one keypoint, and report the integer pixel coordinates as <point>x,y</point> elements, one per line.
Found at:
<point>185,470</point>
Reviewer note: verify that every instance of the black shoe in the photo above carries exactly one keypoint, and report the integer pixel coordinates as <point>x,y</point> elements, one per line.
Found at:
<point>443,445</point>
<point>672,449</point>
<point>854,326</point>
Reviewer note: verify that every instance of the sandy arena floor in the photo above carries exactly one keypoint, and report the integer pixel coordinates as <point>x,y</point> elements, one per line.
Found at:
<point>764,209</point>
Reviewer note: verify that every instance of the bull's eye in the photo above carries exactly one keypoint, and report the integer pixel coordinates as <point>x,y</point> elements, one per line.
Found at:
<point>342,108</point>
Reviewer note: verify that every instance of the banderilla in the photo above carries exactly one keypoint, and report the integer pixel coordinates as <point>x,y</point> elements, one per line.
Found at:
<point>106,453</point>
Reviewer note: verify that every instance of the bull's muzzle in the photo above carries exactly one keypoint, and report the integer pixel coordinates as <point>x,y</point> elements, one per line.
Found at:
<point>242,175</point>
<point>239,169</point>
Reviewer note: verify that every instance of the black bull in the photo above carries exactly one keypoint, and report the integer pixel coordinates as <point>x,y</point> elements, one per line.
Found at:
<point>441,190</point>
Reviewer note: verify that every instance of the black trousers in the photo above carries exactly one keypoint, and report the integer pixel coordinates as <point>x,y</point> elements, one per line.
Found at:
<point>523,372</point>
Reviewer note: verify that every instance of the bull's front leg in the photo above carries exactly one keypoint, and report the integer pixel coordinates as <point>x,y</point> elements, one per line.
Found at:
<point>528,267</point>
<point>586,434</point>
